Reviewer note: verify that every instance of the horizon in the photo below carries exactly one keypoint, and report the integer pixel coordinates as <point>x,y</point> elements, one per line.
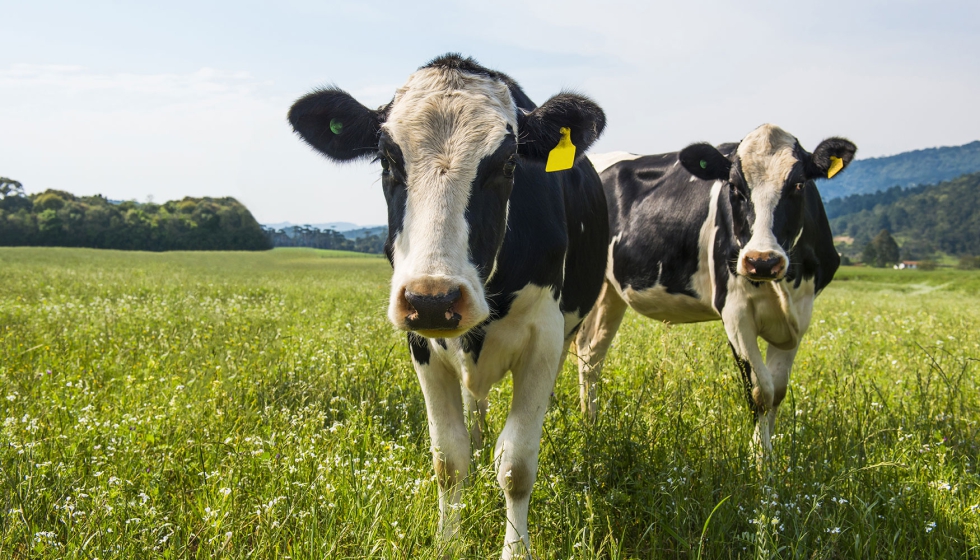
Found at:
<point>90,102</point>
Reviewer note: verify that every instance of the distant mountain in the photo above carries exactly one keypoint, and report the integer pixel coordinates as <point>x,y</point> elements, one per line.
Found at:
<point>908,169</point>
<point>924,220</point>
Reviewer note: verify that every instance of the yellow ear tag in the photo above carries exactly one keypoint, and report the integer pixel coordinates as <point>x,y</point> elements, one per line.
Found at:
<point>836,164</point>
<point>563,156</point>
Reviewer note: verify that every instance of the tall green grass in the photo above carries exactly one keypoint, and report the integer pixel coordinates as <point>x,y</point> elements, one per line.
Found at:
<point>227,405</point>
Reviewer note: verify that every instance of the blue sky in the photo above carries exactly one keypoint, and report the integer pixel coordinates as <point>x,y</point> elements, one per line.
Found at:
<point>164,100</point>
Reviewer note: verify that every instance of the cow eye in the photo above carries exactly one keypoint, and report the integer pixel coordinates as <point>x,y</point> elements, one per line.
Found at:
<point>385,163</point>
<point>509,168</point>
<point>799,187</point>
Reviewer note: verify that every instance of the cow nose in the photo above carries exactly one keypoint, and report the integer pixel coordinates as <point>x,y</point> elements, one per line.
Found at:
<point>433,311</point>
<point>764,265</point>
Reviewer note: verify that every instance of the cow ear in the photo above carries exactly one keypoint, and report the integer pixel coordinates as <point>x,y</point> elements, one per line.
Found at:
<point>704,161</point>
<point>830,157</point>
<point>540,131</point>
<point>336,125</point>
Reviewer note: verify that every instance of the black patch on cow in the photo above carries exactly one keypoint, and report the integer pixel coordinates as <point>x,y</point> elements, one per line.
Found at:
<point>472,341</point>
<point>396,195</point>
<point>486,211</point>
<point>588,237</point>
<point>442,342</point>
<point>419,347</point>
<point>745,369</point>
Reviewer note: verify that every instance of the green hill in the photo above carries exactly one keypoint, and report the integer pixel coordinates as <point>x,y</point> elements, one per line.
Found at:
<point>942,218</point>
<point>908,169</point>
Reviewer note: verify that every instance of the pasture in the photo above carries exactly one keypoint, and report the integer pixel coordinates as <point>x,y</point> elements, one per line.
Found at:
<point>259,405</point>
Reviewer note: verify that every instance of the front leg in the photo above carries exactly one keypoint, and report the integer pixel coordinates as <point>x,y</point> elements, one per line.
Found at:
<point>447,431</point>
<point>780,363</point>
<point>516,452</point>
<point>756,376</point>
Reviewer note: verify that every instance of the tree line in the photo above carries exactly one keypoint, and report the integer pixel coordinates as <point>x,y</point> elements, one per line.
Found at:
<point>58,218</point>
<point>307,236</point>
<point>943,218</point>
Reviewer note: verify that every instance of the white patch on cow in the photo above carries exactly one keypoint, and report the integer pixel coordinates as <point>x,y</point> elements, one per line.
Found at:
<point>797,238</point>
<point>657,303</point>
<point>767,158</point>
<point>444,122</point>
<point>582,226</point>
<point>692,179</point>
<point>601,162</point>
<point>610,257</point>
<point>703,282</point>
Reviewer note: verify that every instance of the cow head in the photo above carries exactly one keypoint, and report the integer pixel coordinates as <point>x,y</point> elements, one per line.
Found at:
<point>767,177</point>
<point>451,144</point>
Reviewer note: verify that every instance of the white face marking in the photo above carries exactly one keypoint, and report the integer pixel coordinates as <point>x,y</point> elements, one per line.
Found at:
<point>767,159</point>
<point>444,122</point>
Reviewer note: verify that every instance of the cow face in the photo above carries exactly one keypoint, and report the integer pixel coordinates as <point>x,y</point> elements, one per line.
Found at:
<point>767,178</point>
<point>450,144</point>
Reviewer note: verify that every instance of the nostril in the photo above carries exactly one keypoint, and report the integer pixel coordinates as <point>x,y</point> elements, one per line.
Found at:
<point>434,305</point>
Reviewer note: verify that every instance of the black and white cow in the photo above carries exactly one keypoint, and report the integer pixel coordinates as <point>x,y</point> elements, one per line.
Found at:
<point>736,233</point>
<point>496,261</point>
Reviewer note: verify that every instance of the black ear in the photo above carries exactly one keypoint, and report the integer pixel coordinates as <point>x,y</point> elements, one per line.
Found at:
<point>539,130</point>
<point>820,163</point>
<point>704,161</point>
<point>335,124</point>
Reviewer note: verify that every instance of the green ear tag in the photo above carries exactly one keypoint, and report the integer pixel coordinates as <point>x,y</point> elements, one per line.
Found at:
<point>562,157</point>
<point>836,164</point>
<point>336,126</point>
<point>704,164</point>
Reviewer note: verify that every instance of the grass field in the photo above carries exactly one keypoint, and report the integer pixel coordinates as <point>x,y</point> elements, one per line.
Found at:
<point>231,405</point>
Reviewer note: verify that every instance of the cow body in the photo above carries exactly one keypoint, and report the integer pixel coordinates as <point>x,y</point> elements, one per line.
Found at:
<point>736,233</point>
<point>496,262</point>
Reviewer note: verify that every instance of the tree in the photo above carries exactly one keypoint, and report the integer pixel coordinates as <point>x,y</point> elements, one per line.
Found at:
<point>9,187</point>
<point>882,251</point>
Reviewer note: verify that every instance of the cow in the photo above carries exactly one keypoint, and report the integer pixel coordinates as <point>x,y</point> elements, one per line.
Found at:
<point>736,233</point>
<point>496,259</point>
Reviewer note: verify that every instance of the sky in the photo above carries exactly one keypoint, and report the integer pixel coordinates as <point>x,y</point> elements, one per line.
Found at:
<point>157,101</point>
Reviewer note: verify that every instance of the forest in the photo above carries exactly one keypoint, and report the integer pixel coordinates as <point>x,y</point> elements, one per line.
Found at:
<point>924,221</point>
<point>58,218</point>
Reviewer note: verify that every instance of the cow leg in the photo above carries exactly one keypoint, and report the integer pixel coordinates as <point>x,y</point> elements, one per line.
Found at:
<point>516,452</point>
<point>476,416</point>
<point>779,362</point>
<point>593,341</point>
<point>739,324</point>
<point>449,438</point>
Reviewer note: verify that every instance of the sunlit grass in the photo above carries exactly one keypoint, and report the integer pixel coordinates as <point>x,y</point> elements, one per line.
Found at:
<point>229,405</point>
